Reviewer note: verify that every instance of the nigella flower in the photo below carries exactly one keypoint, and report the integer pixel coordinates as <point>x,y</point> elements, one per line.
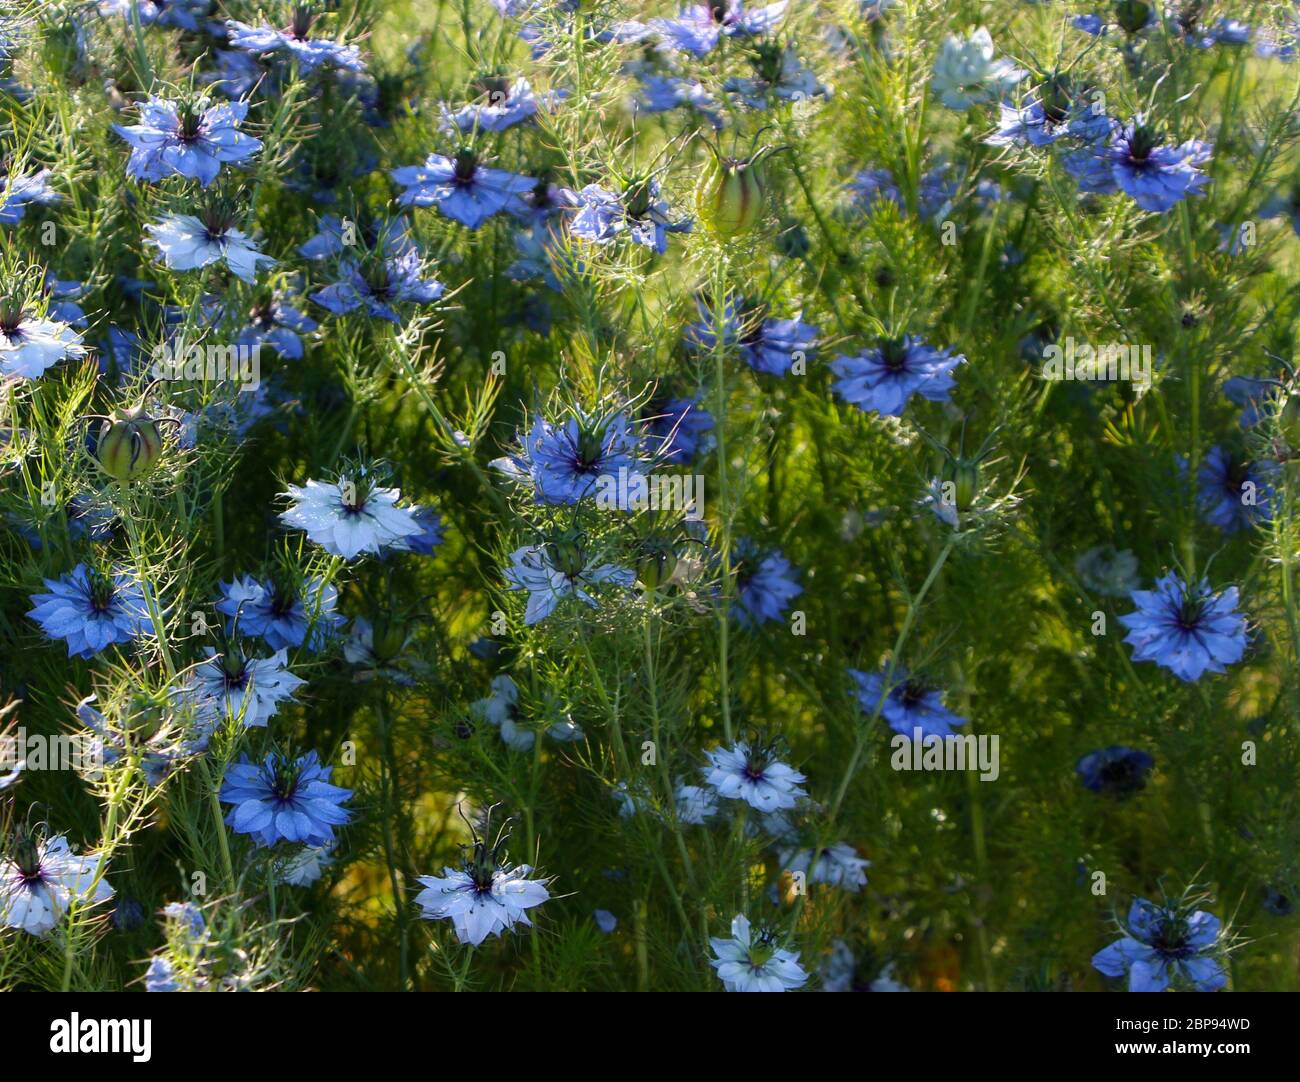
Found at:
<point>746,964</point>
<point>966,74</point>
<point>63,296</point>
<point>663,93</point>
<point>40,879</point>
<point>377,284</point>
<point>179,139</point>
<point>295,42</point>
<point>1187,631</point>
<point>185,242</point>
<point>182,14</point>
<point>556,570</point>
<point>884,377</point>
<point>508,103</point>
<point>501,710</point>
<point>752,773</point>
<point>432,533</point>
<point>349,517</point>
<point>910,704</point>
<point>277,324</point>
<point>696,805</point>
<point>143,730</point>
<point>1108,571</point>
<point>1164,944</point>
<point>486,896</point>
<point>30,344</point>
<point>1232,493</point>
<point>1157,176</point>
<point>281,611</point>
<point>565,462</point>
<point>334,237</point>
<point>283,798</point>
<point>872,185</point>
<point>639,213</point>
<point>698,28</point>
<point>841,972</point>
<point>17,193</point>
<point>306,866</point>
<point>90,610</point>
<point>1255,397</point>
<point>462,188</point>
<point>233,684</point>
<point>680,426</point>
<point>1114,771</point>
<point>1038,124</point>
<point>779,75</point>
<point>765,584</point>
<point>767,345</point>
<point>836,865</point>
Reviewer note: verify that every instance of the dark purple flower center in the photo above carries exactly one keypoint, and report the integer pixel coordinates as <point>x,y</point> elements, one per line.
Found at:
<point>910,693</point>
<point>27,859</point>
<point>101,591</point>
<point>1169,939</point>
<point>894,354</point>
<point>1140,145</point>
<point>466,165</point>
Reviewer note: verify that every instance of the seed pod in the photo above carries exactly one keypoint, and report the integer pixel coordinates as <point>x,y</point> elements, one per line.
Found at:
<point>964,473</point>
<point>1132,15</point>
<point>129,444</point>
<point>732,195</point>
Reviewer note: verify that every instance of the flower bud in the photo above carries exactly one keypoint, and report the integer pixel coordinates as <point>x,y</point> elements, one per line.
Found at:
<point>129,444</point>
<point>964,475</point>
<point>1132,15</point>
<point>567,552</point>
<point>731,196</point>
<point>389,638</point>
<point>656,561</point>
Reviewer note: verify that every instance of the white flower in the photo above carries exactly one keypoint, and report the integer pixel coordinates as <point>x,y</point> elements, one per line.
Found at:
<point>305,867</point>
<point>755,777</point>
<point>185,243</point>
<point>501,709</point>
<point>754,967</point>
<point>475,911</point>
<point>233,685</point>
<point>695,804</point>
<point>347,519</point>
<point>30,346</point>
<point>34,896</point>
<point>532,569</point>
<point>838,866</point>
<point>966,74</point>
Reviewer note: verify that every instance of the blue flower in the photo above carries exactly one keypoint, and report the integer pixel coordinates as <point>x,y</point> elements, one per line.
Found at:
<point>276,323</point>
<point>639,213</point>
<point>461,188</point>
<point>1156,176</point>
<point>556,570</point>
<point>1164,944</point>
<point>1254,396</point>
<point>17,193</point>
<point>698,28</point>
<point>295,40</point>
<point>282,613</point>
<point>379,284</point>
<point>284,798</point>
<point>871,185</point>
<point>1232,493</point>
<point>910,704</point>
<point>90,610</point>
<point>885,377</point>
<point>765,585</point>
<point>507,104</point>
<point>1115,771</point>
<point>681,425</point>
<point>1186,631</point>
<point>182,14</point>
<point>566,462</point>
<point>177,139</point>
<point>766,345</point>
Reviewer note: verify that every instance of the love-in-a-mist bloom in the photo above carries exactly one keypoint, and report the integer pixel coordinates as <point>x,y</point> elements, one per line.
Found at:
<point>835,865</point>
<point>1157,176</point>
<point>1189,631</point>
<point>183,139</point>
<point>182,14</point>
<point>1232,492</point>
<point>281,611</point>
<point>349,517</point>
<point>501,710</point>
<point>1114,771</point>
<point>755,963</point>
<point>30,344</point>
<point>910,704</point>
<point>506,102</point>
<point>378,284</point>
<point>1164,944</point>
<point>295,42</point>
<point>485,896</point>
<point>40,879</point>
<point>18,192</point>
<point>766,584</point>
<point>462,187</point>
<point>185,242</point>
<point>967,73</point>
<point>640,213</point>
<point>698,28</point>
<point>565,462</point>
<point>284,799</point>
<point>765,344</point>
<point>886,376</point>
<point>90,610</point>
<point>559,569</point>
<point>753,773</point>
<point>234,684</point>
